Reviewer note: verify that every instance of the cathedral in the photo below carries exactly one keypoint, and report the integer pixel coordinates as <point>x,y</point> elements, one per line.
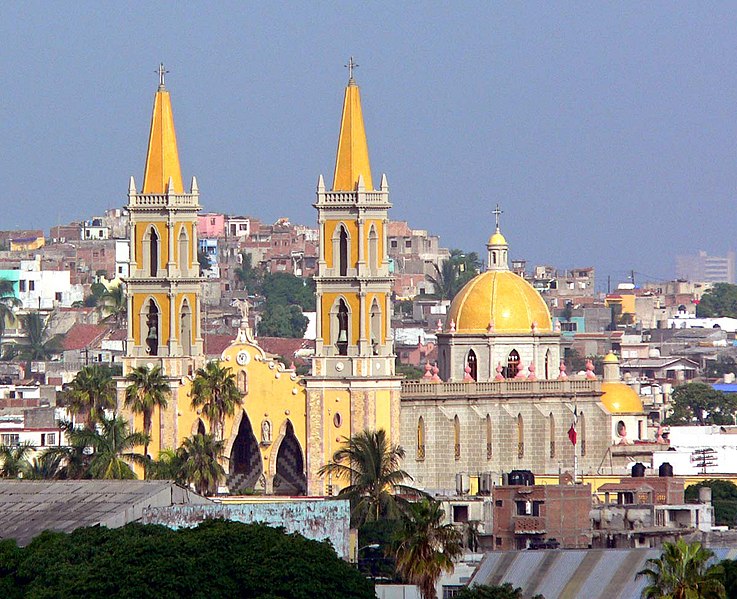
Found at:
<point>497,400</point>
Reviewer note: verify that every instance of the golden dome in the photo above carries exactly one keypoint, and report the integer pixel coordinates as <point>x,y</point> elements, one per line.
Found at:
<point>497,239</point>
<point>501,297</point>
<point>619,398</point>
<point>611,358</point>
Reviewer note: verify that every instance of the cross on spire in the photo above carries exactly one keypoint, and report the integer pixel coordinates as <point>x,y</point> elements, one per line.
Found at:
<point>350,66</point>
<point>162,73</point>
<point>496,212</point>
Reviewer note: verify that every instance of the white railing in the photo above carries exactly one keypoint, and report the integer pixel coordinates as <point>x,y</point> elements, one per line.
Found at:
<point>151,200</point>
<point>353,197</point>
<point>510,387</point>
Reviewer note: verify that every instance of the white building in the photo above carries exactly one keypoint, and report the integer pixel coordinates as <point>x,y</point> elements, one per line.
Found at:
<point>95,228</point>
<point>238,226</point>
<point>46,289</point>
<point>700,450</point>
<point>122,258</point>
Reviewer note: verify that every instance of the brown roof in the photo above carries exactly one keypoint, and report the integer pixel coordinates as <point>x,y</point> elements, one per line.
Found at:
<point>285,346</point>
<point>83,335</point>
<point>216,344</point>
<point>398,228</point>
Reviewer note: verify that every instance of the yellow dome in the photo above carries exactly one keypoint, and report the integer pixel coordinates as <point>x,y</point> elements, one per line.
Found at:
<point>619,398</point>
<point>502,297</point>
<point>497,239</point>
<point>611,358</point>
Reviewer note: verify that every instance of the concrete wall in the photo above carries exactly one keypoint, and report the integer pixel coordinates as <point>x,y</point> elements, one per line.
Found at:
<point>316,519</point>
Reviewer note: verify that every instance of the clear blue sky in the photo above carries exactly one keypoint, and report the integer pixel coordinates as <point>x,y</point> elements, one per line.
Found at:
<point>606,131</point>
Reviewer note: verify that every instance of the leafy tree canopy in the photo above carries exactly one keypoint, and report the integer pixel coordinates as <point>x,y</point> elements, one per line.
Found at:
<point>216,559</point>
<point>279,320</point>
<point>699,403</point>
<point>723,498</point>
<point>283,288</point>
<point>483,591</point>
<point>720,300</point>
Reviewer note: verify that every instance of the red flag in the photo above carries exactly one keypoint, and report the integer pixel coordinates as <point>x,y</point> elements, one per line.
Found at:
<point>572,433</point>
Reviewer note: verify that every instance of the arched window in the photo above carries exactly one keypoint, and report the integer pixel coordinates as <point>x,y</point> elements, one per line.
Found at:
<point>421,438</point>
<point>520,437</point>
<point>152,329</point>
<point>582,432</point>
<point>489,446</point>
<point>548,364</point>
<point>343,252</point>
<point>373,250</point>
<point>243,382</point>
<point>183,252</point>
<point>153,252</point>
<point>185,332</point>
<point>551,424</point>
<point>472,365</point>
<point>342,342</point>
<point>512,364</point>
<point>457,437</point>
<point>376,339</point>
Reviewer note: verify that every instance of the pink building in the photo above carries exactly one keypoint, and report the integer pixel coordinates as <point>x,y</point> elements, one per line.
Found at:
<point>210,225</point>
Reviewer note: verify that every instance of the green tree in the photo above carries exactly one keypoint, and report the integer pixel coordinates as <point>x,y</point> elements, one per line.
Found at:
<point>729,579</point>
<point>146,391</point>
<point>483,591</point>
<point>248,277</point>
<point>215,392</point>
<point>218,559</point>
<point>371,465</point>
<point>39,343</point>
<point>282,321</point>
<point>47,466</point>
<point>723,498</point>
<point>114,302</point>
<point>720,300</point>
<point>8,301</point>
<point>168,466</point>
<point>724,364</point>
<point>69,461</point>
<point>452,274</point>
<point>91,392</point>
<point>204,261</point>
<point>112,446</point>
<point>14,459</point>
<point>682,572</point>
<point>285,289</point>
<point>199,462</point>
<point>699,403</point>
<point>425,547</point>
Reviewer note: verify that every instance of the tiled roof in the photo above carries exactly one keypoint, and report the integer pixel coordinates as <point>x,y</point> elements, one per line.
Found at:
<point>284,346</point>
<point>398,228</point>
<point>216,344</point>
<point>81,336</point>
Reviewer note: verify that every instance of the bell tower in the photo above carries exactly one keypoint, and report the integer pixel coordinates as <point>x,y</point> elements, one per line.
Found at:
<point>353,382</point>
<point>164,284</point>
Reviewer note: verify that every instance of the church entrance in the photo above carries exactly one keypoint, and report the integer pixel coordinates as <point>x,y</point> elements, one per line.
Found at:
<point>290,477</point>
<point>245,459</point>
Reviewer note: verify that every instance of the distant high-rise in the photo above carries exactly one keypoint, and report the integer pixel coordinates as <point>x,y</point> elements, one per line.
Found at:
<point>710,269</point>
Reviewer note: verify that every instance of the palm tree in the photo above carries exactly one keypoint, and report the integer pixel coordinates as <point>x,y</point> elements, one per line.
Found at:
<point>111,446</point>
<point>167,467</point>
<point>47,466</point>
<point>14,459</point>
<point>92,391</point>
<point>114,302</point>
<point>682,572</point>
<point>39,345</point>
<point>200,467</point>
<point>371,465</point>
<point>8,301</point>
<point>425,547</point>
<point>215,392</point>
<point>444,279</point>
<point>147,390</point>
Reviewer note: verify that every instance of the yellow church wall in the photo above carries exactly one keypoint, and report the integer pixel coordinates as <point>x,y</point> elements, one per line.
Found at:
<point>354,305</point>
<point>335,401</point>
<point>383,413</point>
<point>161,230</point>
<point>352,228</point>
<point>162,299</point>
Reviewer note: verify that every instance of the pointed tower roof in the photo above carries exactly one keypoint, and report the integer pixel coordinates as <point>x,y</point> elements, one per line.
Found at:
<point>352,160</point>
<point>162,161</point>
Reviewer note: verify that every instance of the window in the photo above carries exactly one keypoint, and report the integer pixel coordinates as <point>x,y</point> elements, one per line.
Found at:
<point>524,508</point>
<point>408,243</point>
<point>212,221</point>
<point>460,513</point>
<point>457,437</point>
<point>21,285</point>
<point>452,590</point>
<point>520,437</point>
<point>51,438</point>
<point>10,439</point>
<point>499,503</point>
<point>421,438</point>
<point>393,244</point>
<point>489,446</point>
<point>569,327</point>
<point>498,541</point>
<point>343,256</point>
<point>31,285</point>
<point>57,296</point>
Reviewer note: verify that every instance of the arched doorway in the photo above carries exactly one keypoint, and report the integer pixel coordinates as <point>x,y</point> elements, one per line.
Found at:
<point>343,256</point>
<point>183,253</point>
<point>512,364</point>
<point>152,330</point>
<point>290,476</point>
<point>471,362</point>
<point>245,459</point>
<point>342,342</point>
<point>185,333</point>
<point>153,252</point>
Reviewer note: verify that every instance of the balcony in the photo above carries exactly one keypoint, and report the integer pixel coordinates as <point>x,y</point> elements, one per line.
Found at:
<point>529,525</point>
<point>506,388</point>
<point>184,200</point>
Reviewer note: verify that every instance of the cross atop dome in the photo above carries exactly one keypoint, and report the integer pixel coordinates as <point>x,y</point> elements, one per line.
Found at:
<point>496,212</point>
<point>162,73</point>
<point>497,246</point>
<point>350,66</point>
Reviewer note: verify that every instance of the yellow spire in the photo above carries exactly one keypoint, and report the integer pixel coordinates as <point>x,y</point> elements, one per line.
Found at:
<point>162,161</point>
<point>352,159</point>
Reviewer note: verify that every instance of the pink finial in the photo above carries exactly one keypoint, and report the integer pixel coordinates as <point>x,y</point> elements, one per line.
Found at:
<point>532,376</point>
<point>562,376</point>
<point>534,326</point>
<point>490,328</point>
<point>439,328</point>
<point>452,326</point>
<point>435,377</point>
<point>499,376</point>
<point>467,376</point>
<point>557,326</point>
<point>590,370</point>
<point>520,371</point>
<point>428,371</point>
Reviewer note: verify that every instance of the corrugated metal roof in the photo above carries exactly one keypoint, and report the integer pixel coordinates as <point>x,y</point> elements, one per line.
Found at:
<point>574,573</point>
